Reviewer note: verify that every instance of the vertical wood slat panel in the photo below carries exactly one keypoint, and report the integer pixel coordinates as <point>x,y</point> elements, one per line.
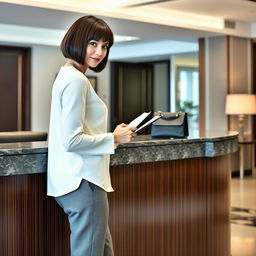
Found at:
<point>218,206</point>
<point>31,223</point>
<point>163,204</point>
<point>174,208</point>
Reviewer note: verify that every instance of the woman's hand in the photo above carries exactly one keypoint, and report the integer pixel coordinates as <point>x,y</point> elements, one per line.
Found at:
<point>123,134</point>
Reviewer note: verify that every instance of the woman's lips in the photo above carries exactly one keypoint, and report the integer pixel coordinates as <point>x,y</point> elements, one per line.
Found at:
<point>95,59</point>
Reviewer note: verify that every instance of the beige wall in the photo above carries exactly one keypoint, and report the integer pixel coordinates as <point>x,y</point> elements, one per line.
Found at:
<point>216,83</point>
<point>45,64</point>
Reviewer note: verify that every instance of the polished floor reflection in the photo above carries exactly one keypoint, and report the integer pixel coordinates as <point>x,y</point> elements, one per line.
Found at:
<point>243,216</point>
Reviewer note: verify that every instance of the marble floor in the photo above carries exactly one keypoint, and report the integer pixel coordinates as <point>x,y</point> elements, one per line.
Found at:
<point>243,216</point>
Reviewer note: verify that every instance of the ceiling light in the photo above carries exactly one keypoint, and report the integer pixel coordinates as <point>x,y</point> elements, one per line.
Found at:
<point>121,38</point>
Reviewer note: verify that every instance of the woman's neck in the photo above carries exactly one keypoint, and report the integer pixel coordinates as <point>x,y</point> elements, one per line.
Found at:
<point>81,68</point>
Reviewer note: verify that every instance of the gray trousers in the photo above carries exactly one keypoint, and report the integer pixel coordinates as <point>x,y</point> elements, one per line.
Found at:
<point>87,209</point>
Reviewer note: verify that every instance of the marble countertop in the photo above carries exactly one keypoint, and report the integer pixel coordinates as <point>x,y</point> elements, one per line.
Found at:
<point>31,157</point>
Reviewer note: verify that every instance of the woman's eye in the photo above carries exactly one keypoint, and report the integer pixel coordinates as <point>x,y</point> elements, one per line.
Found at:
<point>93,43</point>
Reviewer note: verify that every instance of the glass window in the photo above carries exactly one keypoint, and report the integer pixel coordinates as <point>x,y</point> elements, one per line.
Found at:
<point>187,94</point>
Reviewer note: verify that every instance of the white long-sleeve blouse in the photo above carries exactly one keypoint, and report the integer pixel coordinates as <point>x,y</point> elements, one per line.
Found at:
<point>79,144</point>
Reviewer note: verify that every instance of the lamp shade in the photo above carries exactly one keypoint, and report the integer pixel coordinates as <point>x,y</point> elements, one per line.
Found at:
<point>241,104</point>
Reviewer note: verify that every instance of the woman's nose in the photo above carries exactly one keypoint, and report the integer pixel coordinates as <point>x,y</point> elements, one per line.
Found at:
<point>99,51</point>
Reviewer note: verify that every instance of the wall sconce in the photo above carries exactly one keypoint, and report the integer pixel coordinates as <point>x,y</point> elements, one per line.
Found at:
<point>241,105</point>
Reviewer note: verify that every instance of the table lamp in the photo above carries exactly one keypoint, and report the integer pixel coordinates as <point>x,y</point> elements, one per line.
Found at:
<point>241,105</point>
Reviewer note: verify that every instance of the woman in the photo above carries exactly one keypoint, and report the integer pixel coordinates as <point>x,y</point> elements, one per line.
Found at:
<point>79,144</point>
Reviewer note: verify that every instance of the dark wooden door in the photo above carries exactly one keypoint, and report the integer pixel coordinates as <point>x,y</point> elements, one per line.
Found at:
<point>14,88</point>
<point>131,91</point>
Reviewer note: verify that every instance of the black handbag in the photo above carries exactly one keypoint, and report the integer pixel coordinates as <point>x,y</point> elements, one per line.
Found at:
<point>171,125</point>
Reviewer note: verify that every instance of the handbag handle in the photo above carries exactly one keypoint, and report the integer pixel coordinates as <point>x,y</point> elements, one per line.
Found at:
<point>168,117</point>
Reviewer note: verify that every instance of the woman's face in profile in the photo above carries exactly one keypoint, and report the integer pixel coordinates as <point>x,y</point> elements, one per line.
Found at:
<point>96,51</point>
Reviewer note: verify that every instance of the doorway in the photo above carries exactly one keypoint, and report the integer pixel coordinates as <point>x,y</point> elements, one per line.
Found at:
<point>138,88</point>
<point>14,88</point>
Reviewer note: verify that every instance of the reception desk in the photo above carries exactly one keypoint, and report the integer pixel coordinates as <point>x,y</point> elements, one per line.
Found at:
<point>172,198</point>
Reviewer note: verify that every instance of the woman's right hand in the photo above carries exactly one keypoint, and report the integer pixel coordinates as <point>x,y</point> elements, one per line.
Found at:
<point>123,134</point>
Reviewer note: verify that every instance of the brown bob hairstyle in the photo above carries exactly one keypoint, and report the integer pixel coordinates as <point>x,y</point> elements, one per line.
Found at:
<point>86,28</point>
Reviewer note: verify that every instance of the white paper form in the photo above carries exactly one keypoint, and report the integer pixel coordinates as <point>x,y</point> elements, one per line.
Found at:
<point>135,122</point>
<point>152,120</point>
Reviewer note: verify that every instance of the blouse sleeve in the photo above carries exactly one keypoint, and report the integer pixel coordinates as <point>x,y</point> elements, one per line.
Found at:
<point>73,102</point>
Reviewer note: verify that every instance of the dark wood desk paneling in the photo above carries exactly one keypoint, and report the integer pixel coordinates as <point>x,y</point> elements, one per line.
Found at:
<point>171,208</point>
<point>174,208</point>
<point>32,224</point>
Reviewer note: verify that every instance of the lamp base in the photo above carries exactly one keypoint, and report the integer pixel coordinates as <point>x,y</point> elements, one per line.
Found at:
<point>241,126</point>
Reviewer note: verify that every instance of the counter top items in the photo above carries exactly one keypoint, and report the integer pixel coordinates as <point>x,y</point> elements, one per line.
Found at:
<point>170,125</point>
